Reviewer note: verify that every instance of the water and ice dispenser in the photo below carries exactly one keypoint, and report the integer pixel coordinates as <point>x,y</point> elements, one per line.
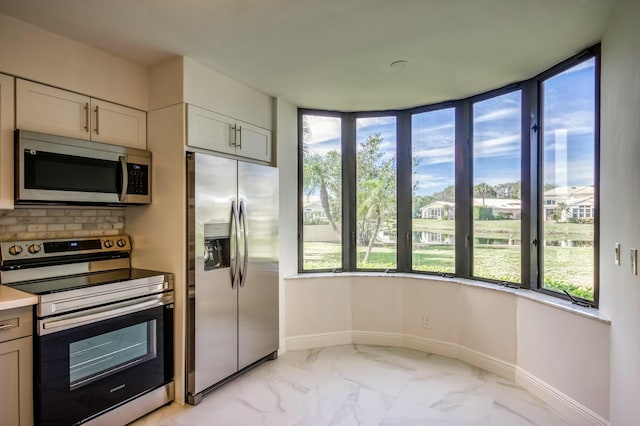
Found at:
<point>217,246</point>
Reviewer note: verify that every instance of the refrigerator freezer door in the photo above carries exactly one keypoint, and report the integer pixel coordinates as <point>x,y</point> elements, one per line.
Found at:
<point>212,349</point>
<point>258,292</point>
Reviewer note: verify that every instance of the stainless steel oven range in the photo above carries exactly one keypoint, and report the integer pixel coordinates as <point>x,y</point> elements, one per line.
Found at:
<point>103,350</point>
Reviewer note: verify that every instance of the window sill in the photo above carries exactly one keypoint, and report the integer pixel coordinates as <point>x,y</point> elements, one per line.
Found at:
<point>554,302</point>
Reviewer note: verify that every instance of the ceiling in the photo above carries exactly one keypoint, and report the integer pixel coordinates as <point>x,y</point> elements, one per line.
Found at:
<point>336,54</point>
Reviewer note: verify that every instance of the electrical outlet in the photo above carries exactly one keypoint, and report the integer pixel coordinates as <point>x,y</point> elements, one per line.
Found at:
<point>425,322</point>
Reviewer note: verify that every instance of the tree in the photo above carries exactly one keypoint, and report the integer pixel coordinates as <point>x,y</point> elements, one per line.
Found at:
<point>484,190</point>
<point>322,175</point>
<point>559,210</point>
<point>376,192</point>
<point>447,194</point>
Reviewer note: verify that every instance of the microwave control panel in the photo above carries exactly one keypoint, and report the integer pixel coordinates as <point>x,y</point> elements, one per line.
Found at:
<point>138,179</point>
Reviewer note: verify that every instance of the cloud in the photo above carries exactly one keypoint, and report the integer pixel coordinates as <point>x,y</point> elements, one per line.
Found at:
<point>496,144</point>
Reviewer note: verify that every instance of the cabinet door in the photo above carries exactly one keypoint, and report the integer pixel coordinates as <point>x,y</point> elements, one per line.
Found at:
<point>118,125</point>
<point>49,110</point>
<point>208,130</point>
<point>254,142</point>
<point>6,141</point>
<point>16,376</point>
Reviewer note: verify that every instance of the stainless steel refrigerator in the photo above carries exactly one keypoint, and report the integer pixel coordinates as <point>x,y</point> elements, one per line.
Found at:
<point>232,309</point>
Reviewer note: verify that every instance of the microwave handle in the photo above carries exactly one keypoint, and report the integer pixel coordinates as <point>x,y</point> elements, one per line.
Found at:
<point>122,196</point>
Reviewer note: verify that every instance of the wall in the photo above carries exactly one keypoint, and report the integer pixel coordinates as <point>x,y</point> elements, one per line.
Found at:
<point>36,54</point>
<point>559,356</point>
<point>620,201</point>
<point>41,223</point>
<point>286,136</point>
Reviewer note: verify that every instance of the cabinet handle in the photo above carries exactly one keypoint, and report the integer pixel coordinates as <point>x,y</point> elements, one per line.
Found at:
<point>8,326</point>
<point>97,121</point>
<point>239,137</point>
<point>233,136</point>
<point>86,117</point>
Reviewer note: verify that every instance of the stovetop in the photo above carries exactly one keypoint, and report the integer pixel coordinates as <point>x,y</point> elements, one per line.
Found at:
<point>75,282</point>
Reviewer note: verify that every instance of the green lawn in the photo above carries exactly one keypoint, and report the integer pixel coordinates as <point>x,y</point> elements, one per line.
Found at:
<point>564,266</point>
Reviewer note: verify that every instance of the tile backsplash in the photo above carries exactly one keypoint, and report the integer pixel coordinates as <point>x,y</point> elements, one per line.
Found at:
<point>68,222</point>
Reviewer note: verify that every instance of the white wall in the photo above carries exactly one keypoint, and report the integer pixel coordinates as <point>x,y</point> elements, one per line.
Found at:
<point>286,137</point>
<point>620,202</point>
<point>36,54</point>
<point>566,351</point>
<point>563,355</point>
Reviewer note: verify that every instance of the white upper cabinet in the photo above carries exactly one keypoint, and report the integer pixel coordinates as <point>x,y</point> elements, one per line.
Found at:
<point>216,132</point>
<point>118,125</point>
<point>6,142</point>
<point>47,109</point>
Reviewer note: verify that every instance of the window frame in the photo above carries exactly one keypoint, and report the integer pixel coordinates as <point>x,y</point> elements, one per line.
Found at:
<point>532,200</point>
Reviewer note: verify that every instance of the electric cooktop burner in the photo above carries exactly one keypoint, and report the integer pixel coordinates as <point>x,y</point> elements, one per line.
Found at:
<point>74,282</point>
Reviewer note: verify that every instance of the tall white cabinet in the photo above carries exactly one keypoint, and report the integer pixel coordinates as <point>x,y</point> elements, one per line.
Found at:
<point>6,141</point>
<point>47,109</point>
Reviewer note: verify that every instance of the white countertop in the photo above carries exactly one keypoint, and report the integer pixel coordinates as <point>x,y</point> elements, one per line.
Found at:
<point>11,298</point>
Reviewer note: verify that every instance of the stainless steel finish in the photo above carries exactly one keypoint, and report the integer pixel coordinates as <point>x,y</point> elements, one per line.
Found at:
<point>122,197</point>
<point>130,411</point>
<point>6,247</point>
<point>212,345</point>
<point>35,141</point>
<point>89,316</point>
<point>233,136</point>
<point>231,327</point>
<point>258,306</point>
<point>86,116</point>
<point>239,137</point>
<point>9,325</point>
<point>235,275</point>
<point>82,298</point>
<point>97,121</point>
<point>245,246</point>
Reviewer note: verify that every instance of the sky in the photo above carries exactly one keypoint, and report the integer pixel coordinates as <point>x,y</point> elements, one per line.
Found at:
<point>568,136</point>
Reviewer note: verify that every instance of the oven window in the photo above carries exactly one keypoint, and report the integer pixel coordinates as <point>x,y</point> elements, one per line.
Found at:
<point>47,170</point>
<point>100,356</point>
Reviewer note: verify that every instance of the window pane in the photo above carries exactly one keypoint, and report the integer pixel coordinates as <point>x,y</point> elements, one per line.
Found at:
<point>376,193</point>
<point>496,188</point>
<point>568,173</point>
<point>433,172</point>
<point>322,193</point>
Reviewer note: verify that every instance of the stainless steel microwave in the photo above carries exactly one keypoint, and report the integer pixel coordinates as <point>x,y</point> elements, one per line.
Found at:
<point>58,169</point>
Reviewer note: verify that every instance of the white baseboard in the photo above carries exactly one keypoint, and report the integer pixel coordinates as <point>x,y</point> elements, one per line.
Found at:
<point>571,409</point>
<point>486,362</point>
<point>319,340</point>
<point>568,407</point>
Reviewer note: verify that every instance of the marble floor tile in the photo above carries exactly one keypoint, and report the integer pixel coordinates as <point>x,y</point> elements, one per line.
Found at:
<point>359,385</point>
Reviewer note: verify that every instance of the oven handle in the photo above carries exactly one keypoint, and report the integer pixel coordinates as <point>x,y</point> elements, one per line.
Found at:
<point>105,313</point>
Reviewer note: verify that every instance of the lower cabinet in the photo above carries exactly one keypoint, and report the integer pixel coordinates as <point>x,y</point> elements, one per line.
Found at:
<point>16,367</point>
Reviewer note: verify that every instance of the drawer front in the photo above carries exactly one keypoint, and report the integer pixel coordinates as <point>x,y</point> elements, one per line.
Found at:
<point>16,323</point>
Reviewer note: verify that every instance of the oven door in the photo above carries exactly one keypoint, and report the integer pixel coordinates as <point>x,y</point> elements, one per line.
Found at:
<point>86,370</point>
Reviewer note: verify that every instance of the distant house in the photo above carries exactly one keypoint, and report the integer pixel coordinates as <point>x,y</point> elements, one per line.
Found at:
<point>500,207</point>
<point>438,210</point>
<point>313,211</point>
<point>569,202</point>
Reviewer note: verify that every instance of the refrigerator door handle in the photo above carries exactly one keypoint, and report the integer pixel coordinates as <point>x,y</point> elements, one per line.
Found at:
<point>243,216</point>
<point>235,251</point>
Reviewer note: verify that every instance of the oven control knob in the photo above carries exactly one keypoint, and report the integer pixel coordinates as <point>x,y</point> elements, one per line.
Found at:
<point>108,243</point>
<point>122,243</point>
<point>15,250</point>
<point>34,248</point>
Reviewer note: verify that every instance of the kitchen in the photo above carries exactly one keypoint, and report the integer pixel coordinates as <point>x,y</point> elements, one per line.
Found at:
<point>39,89</point>
<point>166,93</point>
